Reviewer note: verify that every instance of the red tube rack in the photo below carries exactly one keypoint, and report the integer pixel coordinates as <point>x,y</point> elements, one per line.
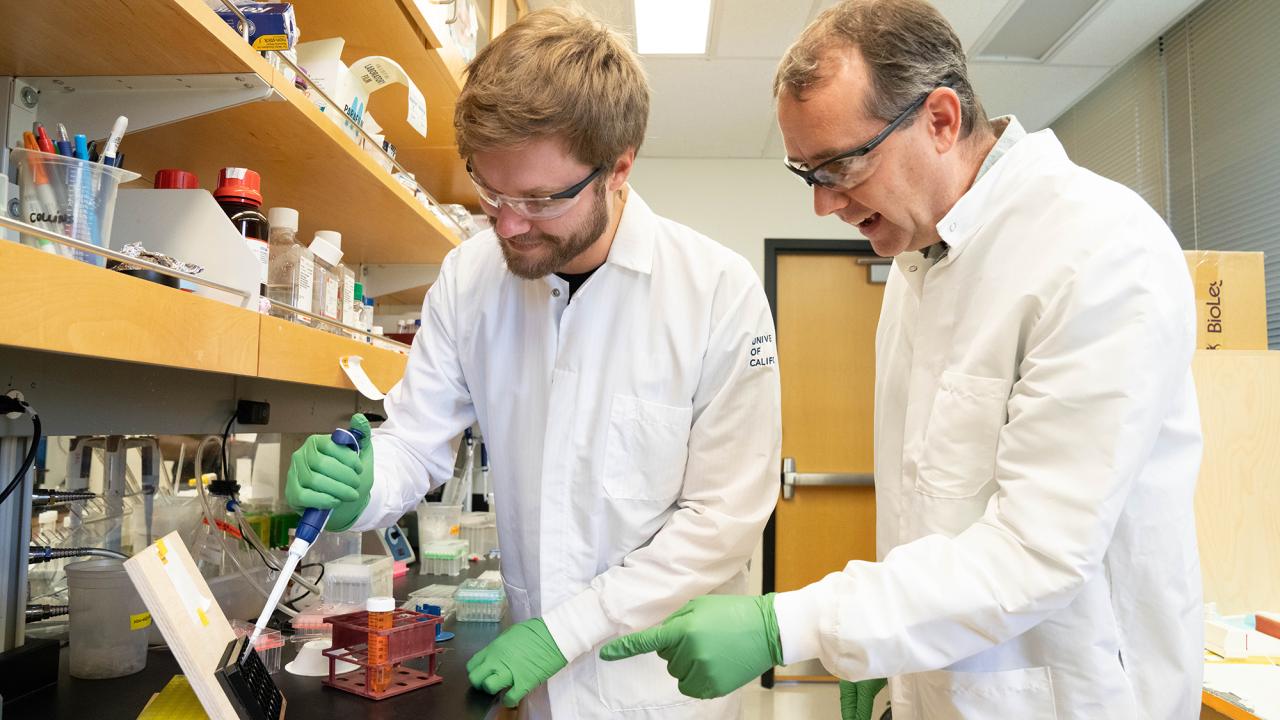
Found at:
<point>412,635</point>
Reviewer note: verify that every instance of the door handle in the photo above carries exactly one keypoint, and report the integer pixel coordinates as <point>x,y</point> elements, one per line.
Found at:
<point>792,479</point>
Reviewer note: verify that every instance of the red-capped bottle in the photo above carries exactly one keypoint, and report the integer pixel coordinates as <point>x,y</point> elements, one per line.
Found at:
<point>240,195</point>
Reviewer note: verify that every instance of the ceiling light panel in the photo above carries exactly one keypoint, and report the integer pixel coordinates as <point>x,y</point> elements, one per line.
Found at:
<point>1035,28</point>
<point>672,27</point>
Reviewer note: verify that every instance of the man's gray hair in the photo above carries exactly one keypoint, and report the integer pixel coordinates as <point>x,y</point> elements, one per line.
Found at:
<point>909,47</point>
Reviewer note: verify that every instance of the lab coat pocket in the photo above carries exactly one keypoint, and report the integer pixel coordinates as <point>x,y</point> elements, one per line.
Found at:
<point>959,455</point>
<point>638,683</point>
<point>518,600</point>
<point>645,449</point>
<point>1025,693</point>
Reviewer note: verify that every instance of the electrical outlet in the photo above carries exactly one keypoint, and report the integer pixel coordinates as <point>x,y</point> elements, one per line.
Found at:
<point>16,395</point>
<point>251,412</point>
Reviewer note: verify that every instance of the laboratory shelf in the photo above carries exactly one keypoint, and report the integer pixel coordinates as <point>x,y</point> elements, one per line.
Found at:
<point>62,305</point>
<point>295,353</point>
<point>399,30</point>
<point>306,161</point>
<point>65,306</point>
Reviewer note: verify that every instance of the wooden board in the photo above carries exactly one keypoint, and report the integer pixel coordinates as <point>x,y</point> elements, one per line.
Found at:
<point>62,305</point>
<point>1238,493</point>
<point>411,297</point>
<point>193,625</point>
<point>111,37</point>
<point>295,353</point>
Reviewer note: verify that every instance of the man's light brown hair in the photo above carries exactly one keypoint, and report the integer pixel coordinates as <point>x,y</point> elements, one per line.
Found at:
<point>555,73</point>
<point>909,49</point>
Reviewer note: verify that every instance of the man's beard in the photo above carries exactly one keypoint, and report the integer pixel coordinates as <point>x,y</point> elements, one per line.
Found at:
<point>556,251</point>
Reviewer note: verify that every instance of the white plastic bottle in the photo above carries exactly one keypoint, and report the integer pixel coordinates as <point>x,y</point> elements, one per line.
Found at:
<point>291,273</point>
<point>327,284</point>
<point>347,296</point>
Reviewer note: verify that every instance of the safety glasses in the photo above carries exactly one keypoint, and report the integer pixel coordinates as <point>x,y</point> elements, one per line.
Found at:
<point>849,169</point>
<point>533,208</point>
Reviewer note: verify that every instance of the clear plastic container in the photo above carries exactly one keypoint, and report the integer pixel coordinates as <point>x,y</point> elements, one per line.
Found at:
<point>108,622</point>
<point>269,645</point>
<point>416,604</point>
<point>480,600</point>
<point>347,296</point>
<point>291,270</point>
<point>70,197</point>
<point>309,623</point>
<point>326,284</point>
<point>443,557</point>
<point>480,530</point>
<point>439,595</point>
<point>437,521</point>
<point>356,578</point>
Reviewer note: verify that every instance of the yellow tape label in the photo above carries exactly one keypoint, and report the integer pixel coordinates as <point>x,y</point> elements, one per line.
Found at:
<point>160,548</point>
<point>140,621</point>
<point>204,619</point>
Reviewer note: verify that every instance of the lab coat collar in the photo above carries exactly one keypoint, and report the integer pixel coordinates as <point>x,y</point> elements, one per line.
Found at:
<point>970,213</point>
<point>633,244</point>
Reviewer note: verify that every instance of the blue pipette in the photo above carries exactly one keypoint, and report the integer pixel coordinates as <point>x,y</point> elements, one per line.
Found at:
<point>309,527</point>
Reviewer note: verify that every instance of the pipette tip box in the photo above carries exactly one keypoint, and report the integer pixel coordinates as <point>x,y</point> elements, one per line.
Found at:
<point>480,600</point>
<point>443,557</point>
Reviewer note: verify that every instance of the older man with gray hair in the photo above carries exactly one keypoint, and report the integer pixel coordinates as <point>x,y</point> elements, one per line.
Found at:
<point>1037,437</point>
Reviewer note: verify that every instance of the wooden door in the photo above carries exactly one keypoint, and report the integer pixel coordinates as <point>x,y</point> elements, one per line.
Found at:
<point>827,305</point>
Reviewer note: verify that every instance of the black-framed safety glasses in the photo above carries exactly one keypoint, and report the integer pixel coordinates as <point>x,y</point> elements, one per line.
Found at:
<point>849,169</point>
<point>533,208</point>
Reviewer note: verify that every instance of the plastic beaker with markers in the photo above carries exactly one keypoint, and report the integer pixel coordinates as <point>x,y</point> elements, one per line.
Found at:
<point>68,196</point>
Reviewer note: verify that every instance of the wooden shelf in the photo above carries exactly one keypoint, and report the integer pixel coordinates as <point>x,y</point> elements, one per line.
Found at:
<point>306,161</point>
<point>279,357</point>
<point>413,296</point>
<point>78,309</point>
<point>396,29</point>
<point>109,37</point>
<point>62,305</point>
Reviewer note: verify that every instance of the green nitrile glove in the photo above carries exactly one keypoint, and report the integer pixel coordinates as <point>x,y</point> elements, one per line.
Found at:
<point>519,660</point>
<point>856,698</point>
<point>713,645</point>
<point>325,475</point>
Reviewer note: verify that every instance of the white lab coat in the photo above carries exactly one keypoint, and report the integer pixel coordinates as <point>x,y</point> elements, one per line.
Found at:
<point>634,439</point>
<point>1037,442</point>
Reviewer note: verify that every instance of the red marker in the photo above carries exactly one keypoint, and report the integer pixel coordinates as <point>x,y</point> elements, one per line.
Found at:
<point>43,141</point>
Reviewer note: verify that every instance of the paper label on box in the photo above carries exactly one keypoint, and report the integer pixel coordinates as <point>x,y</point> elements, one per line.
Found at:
<point>378,72</point>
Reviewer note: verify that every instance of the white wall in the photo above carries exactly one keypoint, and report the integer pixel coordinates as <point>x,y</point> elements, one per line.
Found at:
<point>738,203</point>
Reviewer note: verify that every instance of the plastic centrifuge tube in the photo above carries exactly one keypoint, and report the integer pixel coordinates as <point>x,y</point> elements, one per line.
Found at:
<point>380,618</point>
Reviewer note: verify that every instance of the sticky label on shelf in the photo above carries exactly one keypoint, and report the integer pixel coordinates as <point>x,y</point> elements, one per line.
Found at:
<point>353,366</point>
<point>377,72</point>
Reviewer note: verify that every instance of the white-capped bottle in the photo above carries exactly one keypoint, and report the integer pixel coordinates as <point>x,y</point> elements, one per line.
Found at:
<point>327,284</point>
<point>291,272</point>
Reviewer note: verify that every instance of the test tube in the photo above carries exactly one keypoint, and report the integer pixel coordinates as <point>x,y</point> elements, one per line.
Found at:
<point>380,618</point>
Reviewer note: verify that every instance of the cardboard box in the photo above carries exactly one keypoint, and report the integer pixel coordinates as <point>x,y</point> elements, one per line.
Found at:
<point>1231,299</point>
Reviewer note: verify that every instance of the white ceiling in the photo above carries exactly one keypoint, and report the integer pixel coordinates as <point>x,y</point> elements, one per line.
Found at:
<point>720,105</point>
